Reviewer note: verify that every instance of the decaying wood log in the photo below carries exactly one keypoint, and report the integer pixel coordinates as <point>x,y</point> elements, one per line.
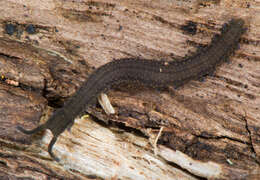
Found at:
<point>207,129</point>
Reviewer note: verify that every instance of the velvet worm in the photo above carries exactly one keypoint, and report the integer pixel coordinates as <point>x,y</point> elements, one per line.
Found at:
<point>149,72</point>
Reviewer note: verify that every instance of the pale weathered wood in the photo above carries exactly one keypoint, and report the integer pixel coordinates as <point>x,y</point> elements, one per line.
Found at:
<point>48,48</point>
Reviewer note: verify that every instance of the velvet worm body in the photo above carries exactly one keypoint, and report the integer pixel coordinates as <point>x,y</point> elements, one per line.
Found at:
<point>149,72</point>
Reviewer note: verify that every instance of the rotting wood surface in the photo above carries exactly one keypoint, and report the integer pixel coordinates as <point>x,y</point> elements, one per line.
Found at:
<point>210,128</point>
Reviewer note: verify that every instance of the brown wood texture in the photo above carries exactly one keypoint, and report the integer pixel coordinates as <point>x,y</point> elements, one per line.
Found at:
<point>209,129</point>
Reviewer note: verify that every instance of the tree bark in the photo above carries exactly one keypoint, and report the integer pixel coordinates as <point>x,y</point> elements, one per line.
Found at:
<point>206,129</point>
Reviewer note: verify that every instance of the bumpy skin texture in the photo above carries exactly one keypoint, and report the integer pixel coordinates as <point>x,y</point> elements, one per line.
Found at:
<point>149,72</point>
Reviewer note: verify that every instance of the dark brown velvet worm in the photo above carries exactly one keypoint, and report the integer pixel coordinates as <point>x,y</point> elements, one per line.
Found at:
<point>149,72</point>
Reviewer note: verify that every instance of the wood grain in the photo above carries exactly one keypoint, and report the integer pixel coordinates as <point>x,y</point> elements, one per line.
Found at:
<point>48,48</point>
